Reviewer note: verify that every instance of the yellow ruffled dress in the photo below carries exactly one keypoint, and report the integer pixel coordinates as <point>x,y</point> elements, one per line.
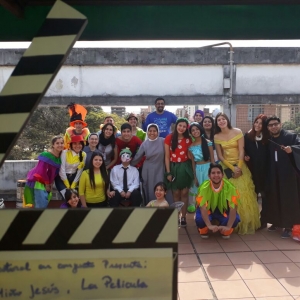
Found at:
<point>248,208</point>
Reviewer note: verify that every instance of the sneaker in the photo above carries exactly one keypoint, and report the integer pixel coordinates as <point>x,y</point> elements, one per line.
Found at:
<point>225,237</point>
<point>286,233</point>
<point>203,235</point>
<point>272,228</point>
<point>183,222</point>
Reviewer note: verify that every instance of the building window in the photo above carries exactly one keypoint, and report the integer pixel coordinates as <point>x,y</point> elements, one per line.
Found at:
<point>254,111</point>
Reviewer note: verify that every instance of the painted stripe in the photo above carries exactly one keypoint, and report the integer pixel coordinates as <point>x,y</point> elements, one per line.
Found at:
<point>62,10</point>
<point>10,123</point>
<point>44,226</point>
<point>36,65</point>
<point>134,225</point>
<point>66,228</point>
<point>6,218</point>
<point>59,27</point>
<point>51,45</point>
<point>111,227</point>
<point>75,229</point>
<point>19,229</point>
<point>5,141</point>
<point>18,103</point>
<point>30,84</point>
<point>170,232</point>
<point>90,226</point>
<point>154,227</point>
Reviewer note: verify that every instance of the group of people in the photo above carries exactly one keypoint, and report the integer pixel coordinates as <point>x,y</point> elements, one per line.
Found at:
<point>221,168</point>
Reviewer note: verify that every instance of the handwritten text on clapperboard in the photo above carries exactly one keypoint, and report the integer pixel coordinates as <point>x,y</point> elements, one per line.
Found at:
<point>87,274</point>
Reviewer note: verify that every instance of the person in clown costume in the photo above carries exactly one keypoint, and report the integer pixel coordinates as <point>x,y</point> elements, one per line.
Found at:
<point>72,165</point>
<point>77,124</point>
<point>40,179</point>
<point>217,202</point>
<point>125,183</point>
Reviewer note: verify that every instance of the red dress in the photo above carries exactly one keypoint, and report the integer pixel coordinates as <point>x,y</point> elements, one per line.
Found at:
<point>180,164</point>
<point>181,152</point>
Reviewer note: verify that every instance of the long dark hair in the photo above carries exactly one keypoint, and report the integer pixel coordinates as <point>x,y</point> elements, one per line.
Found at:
<point>217,128</point>
<point>175,133</point>
<point>68,196</point>
<point>212,131</point>
<point>264,129</point>
<point>80,152</point>
<point>204,144</point>
<point>112,140</point>
<point>103,171</point>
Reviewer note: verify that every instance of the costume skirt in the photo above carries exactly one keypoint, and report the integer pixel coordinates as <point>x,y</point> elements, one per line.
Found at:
<point>36,196</point>
<point>248,208</point>
<point>202,175</point>
<point>183,174</point>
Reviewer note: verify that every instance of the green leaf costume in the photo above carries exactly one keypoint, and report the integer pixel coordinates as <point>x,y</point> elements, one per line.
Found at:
<point>226,196</point>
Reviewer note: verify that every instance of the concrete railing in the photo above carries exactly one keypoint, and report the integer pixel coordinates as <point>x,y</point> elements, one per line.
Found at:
<point>11,172</point>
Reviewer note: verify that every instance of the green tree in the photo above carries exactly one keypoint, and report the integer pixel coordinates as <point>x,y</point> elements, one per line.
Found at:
<point>95,119</point>
<point>118,120</point>
<point>289,125</point>
<point>297,130</point>
<point>47,122</point>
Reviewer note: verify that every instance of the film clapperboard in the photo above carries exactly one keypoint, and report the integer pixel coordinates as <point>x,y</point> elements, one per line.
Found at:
<point>36,70</point>
<point>126,253</point>
<point>121,253</point>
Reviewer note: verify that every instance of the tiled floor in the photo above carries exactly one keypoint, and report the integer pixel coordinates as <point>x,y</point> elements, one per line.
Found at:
<point>254,267</point>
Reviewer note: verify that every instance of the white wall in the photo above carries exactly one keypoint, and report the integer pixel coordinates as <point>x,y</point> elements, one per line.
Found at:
<point>14,170</point>
<point>137,80</point>
<point>267,79</point>
<point>133,80</point>
<point>169,80</point>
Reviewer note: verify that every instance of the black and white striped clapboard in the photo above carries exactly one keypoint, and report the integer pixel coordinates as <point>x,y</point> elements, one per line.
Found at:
<point>23,231</point>
<point>36,70</point>
<point>54,229</point>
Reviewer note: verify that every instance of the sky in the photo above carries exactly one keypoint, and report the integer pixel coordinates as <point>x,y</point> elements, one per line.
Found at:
<point>164,44</point>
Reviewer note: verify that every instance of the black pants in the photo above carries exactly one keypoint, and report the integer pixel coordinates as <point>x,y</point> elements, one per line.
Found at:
<point>95,205</point>
<point>135,199</point>
<point>263,213</point>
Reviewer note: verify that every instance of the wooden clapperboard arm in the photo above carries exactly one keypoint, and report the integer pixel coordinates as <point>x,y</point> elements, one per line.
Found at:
<point>36,70</point>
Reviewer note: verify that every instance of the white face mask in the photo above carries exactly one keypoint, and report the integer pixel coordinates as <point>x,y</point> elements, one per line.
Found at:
<point>125,157</point>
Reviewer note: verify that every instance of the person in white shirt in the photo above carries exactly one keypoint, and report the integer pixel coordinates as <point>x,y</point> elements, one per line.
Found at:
<point>125,183</point>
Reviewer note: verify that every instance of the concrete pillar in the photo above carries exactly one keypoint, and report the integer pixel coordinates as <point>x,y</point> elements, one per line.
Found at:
<point>230,111</point>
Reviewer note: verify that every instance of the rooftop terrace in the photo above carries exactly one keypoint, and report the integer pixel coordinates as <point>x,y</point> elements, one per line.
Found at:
<point>262,266</point>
